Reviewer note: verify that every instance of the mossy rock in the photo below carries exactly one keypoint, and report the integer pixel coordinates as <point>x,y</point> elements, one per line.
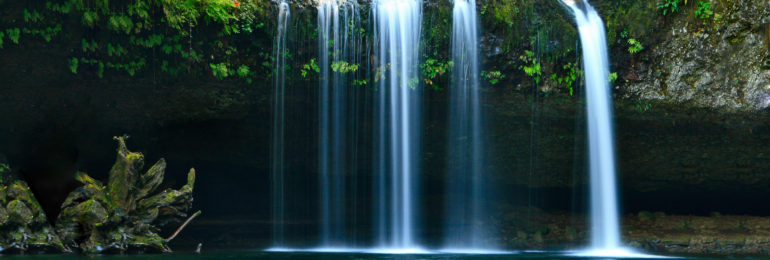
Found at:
<point>23,224</point>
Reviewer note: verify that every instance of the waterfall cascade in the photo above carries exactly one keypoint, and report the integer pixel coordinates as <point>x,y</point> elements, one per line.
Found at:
<point>397,144</point>
<point>339,44</point>
<point>278,132</point>
<point>465,180</point>
<point>605,222</point>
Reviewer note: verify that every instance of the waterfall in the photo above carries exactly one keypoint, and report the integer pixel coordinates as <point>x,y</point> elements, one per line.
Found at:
<point>339,44</point>
<point>465,181</point>
<point>397,143</point>
<point>278,132</point>
<point>605,222</point>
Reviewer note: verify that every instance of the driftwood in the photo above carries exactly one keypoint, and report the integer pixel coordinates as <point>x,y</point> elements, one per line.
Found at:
<point>126,213</point>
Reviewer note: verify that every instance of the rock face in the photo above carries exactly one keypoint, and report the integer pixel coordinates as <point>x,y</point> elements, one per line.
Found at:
<point>719,62</point>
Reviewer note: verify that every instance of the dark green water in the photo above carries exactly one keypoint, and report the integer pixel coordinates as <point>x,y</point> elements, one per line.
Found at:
<point>303,256</point>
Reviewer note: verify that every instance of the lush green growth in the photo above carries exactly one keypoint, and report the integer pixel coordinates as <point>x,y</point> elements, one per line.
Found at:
<point>568,80</point>
<point>493,77</point>
<point>133,36</point>
<point>669,6</point>
<point>432,69</point>
<point>531,66</point>
<point>704,10</point>
<point>634,46</point>
<point>311,66</point>
<point>344,67</point>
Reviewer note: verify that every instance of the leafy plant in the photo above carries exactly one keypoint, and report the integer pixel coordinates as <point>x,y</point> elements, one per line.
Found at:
<point>32,16</point>
<point>360,82</point>
<point>344,67</point>
<point>432,69</point>
<point>147,24</point>
<point>634,46</point>
<point>493,77</point>
<point>532,66</point>
<point>643,107</point>
<point>567,81</point>
<point>243,71</point>
<point>219,70</point>
<point>613,76</point>
<point>309,67</point>
<point>13,34</point>
<point>73,65</point>
<point>669,6</point>
<point>704,10</point>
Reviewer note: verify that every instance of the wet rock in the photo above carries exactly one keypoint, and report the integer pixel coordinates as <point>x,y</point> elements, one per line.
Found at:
<point>716,63</point>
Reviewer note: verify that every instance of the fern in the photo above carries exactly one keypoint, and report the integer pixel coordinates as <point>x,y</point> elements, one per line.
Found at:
<point>14,34</point>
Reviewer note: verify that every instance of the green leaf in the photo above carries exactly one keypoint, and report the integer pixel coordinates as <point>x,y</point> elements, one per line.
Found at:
<point>73,65</point>
<point>243,71</point>
<point>13,35</point>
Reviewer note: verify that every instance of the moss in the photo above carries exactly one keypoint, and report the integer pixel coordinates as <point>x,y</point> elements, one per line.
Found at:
<point>646,216</point>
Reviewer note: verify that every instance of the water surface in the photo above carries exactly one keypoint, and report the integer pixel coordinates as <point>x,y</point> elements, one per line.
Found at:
<point>310,255</point>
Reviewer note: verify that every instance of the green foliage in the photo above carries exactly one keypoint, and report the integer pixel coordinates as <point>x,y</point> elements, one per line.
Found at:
<point>219,70</point>
<point>32,17</point>
<point>359,82</point>
<point>309,67</point>
<point>643,107</point>
<point>116,50</point>
<point>243,71</point>
<point>493,77</point>
<point>634,46</point>
<point>344,67</point>
<point>90,18</point>
<point>432,69</point>
<point>120,23</point>
<point>46,33</point>
<point>73,65</point>
<point>180,14</point>
<point>531,66</point>
<point>572,72</point>
<point>62,8</point>
<point>89,47</point>
<point>704,10</point>
<point>13,34</point>
<point>129,32</point>
<point>669,6</point>
<point>613,77</point>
